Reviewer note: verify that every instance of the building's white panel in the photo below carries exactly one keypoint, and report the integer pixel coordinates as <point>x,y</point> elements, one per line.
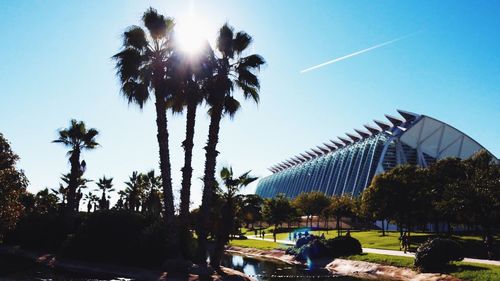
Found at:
<point>451,151</point>
<point>469,147</point>
<point>410,137</point>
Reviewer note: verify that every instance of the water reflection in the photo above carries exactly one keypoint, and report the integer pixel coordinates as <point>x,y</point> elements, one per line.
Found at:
<point>267,271</point>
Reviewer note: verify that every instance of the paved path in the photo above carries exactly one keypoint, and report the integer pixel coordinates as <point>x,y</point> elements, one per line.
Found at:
<point>380,251</point>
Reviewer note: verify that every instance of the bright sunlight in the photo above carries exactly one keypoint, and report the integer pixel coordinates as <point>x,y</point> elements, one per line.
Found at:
<point>190,33</point>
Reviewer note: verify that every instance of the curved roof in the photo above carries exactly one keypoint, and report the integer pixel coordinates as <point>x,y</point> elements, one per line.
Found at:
<point>439,140</point>
<point>428,135</point>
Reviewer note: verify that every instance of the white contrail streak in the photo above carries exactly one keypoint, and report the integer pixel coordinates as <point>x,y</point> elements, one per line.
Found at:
<point>358,52</point>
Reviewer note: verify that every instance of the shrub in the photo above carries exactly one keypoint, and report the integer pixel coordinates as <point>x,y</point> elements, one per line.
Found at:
<point>118,236</point>
<point>342,246</point>
<point>44,232</point>
<point>437,253</point>
<point>303,241</point>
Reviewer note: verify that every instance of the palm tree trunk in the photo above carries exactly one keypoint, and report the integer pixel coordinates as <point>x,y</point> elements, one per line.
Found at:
<point>168,199</point>
<point>209,180</point>
<point>73,183</point>
<point>187,172</point>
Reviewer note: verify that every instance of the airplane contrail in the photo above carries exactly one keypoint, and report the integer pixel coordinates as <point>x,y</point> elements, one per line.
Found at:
<point>358,52</point>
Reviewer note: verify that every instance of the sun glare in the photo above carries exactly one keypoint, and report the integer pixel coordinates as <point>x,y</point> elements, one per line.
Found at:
<point>190,32</point>
<point>190,36</point>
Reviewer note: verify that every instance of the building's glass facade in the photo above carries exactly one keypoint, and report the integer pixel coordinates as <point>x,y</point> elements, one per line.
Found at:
<point>348,167</point>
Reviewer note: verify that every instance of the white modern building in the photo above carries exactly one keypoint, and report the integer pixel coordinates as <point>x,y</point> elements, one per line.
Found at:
<point>348,164</point>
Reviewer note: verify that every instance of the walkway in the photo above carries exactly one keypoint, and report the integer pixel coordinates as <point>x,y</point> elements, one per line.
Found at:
<point>380,251</point>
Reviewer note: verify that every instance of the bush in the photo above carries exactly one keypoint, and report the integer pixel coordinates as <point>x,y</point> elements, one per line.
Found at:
<point>312,250</point>
<point>342,246</point>
<point>39,232</point>
<point>303,241</point>
<point>437,253</point>
<point>118,236</point>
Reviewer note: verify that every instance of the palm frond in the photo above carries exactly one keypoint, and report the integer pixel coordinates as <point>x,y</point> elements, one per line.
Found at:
<point>135,37</point>
<point>128,64</point>
<point>225,40</point>
<point>158,25</point>
<point>231,106</point>
<point>241,41</point>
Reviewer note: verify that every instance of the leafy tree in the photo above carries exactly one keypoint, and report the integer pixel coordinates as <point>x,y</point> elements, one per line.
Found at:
<point>251,211</point>
<point>400,195</point>
<point>106,185</point>
<point>228,210</point>
<point>375,200</point>
<point>444,175</point>
<point>277,210</point>
<point>78,138</point>
<point>479,194</point>
<point>231,70</point>
<point>13,185</point>
<point>303,203</point>
<point>342,206</point>
<point>46,202</point>
<point>312,203</point>
<point>145,68</point>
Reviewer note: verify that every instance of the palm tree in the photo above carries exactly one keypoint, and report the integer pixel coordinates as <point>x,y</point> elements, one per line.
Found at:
<point>106,185</point>
<point>144,69</point>
<point>77,138</point>
<point>228,211</point>
<point>92,200</point>
<point>231,70</point>
<point>192,74</point>
<point>61,191</point>
<point>134,191</point>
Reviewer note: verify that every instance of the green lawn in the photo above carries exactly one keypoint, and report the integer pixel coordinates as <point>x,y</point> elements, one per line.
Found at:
<point>462,270</point>
<point>258,244</point>
<point>473,245</point>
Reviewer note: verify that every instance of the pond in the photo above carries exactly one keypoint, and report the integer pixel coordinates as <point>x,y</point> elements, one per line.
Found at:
<point>12,268</point>
<point>267,271</point>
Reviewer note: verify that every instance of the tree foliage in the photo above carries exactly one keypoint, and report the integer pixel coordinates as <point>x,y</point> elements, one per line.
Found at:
<point>13,185</point>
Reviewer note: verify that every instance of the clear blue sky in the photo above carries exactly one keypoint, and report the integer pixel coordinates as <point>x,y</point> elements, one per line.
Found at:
<point>55,65</point>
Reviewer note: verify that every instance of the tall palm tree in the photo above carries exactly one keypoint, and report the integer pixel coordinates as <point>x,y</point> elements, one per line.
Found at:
<point>228,211</point>
<point>106,185</point>
<point>232,70</point>
<point>144,69</point>
<point>192,75</point>
<point>78,138</point>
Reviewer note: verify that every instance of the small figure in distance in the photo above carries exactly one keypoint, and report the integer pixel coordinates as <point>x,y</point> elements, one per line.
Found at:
<point>348,233</point>
<point>322,236</point>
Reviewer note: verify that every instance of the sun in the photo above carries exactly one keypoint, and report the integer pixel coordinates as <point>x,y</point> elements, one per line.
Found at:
<point>190,36</point>
<point>190,32</point>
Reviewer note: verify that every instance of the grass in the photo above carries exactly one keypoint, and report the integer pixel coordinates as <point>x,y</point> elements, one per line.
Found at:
<point>257,244</point>
<point>462,270</point>
<point>472,245</point>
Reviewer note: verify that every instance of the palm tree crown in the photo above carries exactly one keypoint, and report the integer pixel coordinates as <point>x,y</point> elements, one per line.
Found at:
<point>143,63</point>
<point>77,137</point>
<point>233,70</point>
